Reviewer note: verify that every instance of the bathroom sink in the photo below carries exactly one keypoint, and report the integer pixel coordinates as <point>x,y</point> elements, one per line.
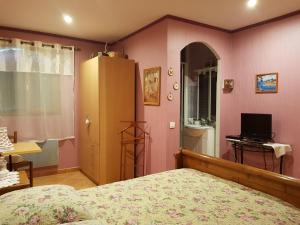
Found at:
<point>194,126</point>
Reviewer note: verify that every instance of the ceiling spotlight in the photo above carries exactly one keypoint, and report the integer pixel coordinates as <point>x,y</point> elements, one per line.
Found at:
<point>68,19</point>
<point>251,3</point>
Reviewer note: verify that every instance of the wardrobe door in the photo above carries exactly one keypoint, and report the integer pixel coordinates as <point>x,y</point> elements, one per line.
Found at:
<point>89,119</point>
<point>117,103</point>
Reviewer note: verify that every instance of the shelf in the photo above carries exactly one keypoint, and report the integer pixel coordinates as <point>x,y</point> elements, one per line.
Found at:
<point>24,183</point>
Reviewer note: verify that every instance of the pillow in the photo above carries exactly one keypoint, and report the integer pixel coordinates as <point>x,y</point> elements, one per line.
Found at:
<point>50,204</point>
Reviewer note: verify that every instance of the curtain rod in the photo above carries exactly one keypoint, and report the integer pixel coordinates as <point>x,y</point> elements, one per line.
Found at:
<point>43,44</point>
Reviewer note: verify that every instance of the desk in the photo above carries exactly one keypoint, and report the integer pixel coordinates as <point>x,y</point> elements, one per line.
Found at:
<point>24,183</point>
<point>252,146</point>
<point>21,148</point>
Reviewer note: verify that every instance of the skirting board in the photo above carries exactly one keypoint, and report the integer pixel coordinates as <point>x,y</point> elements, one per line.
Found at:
<point>51,170</point>
<point>68,170</point>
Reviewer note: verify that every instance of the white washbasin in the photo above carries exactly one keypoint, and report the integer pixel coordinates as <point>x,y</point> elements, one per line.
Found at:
<point>199,127</point>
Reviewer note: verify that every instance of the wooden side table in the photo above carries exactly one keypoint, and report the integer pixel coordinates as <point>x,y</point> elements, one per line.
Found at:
<point>24,183</point>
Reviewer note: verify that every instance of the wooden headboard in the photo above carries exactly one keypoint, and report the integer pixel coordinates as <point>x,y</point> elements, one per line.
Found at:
<point>283,187</point>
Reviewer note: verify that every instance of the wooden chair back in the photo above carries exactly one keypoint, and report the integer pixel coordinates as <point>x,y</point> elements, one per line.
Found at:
<point>13,138</point>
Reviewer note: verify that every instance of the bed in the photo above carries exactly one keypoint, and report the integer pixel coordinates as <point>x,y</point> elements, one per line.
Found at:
<point>194,193</point>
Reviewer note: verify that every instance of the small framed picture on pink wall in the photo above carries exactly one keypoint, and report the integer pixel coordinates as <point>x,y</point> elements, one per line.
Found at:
<point>151,86</point>
<point>267,83</point>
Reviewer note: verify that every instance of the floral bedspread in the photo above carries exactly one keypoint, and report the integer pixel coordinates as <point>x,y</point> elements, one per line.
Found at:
<point>185,197</point>
<point>43,205</point>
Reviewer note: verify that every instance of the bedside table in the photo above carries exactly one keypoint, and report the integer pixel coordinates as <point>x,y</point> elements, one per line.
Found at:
<point>24,183</point>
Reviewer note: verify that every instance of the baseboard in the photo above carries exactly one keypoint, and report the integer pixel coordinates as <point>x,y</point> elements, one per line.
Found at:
<point>45,171</point>
<point>51,170</point>
<point>68,170</point>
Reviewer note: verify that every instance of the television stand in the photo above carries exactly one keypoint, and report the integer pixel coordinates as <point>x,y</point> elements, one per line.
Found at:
<point>252,146</point>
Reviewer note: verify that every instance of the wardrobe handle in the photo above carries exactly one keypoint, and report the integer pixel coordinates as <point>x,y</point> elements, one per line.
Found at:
<point>87,122</point>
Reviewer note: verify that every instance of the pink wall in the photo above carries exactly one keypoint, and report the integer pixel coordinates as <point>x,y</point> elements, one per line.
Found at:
<point>147,48</point>
<point>181,34</point>
<point>270,48</point>
<point>160,45</point>
<point>68,150</point>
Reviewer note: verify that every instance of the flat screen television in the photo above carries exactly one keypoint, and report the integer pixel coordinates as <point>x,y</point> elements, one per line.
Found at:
<point>256,126</point>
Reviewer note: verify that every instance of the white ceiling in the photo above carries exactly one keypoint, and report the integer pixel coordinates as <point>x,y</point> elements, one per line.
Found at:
<point>110,20</point>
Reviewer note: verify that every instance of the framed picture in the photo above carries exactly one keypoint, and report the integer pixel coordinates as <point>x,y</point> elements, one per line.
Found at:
<point>228,85</point>
<point>267,83</point>
<point>151,86</point>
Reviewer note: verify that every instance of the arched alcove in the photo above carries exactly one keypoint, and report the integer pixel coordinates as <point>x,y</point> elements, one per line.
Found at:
<point>200,98</point>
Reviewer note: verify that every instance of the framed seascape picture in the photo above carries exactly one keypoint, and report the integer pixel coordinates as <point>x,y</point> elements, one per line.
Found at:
<point>267,83</point>
<point>151,86</point>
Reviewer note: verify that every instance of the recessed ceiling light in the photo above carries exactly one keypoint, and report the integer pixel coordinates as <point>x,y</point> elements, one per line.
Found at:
<point>251,3</point>
<point>68,19</point>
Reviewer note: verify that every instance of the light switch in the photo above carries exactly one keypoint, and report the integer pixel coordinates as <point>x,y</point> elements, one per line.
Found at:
<point>172,125</point>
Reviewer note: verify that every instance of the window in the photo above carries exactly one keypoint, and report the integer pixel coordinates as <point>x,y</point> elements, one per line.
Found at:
<point>36,89</point>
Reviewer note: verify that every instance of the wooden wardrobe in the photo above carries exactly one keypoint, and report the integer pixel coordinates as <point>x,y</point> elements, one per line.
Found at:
<point>107,96</point>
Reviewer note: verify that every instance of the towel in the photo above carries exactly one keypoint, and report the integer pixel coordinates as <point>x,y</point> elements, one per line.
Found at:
<point>279,149</point>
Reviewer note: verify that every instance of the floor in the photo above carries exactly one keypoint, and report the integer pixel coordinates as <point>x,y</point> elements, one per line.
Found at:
<point>75,179</point>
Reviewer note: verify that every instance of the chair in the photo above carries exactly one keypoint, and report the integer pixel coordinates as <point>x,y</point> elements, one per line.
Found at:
<point>18,162</point>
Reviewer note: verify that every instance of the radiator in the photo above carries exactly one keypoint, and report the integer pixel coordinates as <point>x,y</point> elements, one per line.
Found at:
<point>48,156</point>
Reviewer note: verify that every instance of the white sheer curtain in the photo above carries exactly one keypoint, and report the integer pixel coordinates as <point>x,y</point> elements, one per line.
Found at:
<point>36,89</point>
